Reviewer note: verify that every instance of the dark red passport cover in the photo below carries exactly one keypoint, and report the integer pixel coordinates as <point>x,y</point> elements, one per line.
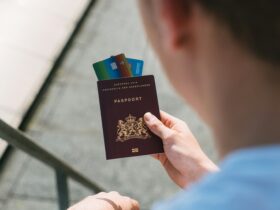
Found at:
<point>123,103</point>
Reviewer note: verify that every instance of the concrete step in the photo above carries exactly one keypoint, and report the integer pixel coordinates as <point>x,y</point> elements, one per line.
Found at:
<point>32,35</point>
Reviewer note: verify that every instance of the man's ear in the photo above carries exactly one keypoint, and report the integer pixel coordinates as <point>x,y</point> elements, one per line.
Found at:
<point>175,17</point>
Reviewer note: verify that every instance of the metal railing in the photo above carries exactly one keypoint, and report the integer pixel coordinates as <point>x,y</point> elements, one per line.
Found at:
<point>20,141</point>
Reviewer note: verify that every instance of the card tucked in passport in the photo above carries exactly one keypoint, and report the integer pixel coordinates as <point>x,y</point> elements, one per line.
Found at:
<point>123,102</point>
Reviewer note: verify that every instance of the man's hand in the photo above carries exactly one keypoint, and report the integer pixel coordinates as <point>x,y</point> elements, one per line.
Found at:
<point>106,201</point>
<point>183,159</point>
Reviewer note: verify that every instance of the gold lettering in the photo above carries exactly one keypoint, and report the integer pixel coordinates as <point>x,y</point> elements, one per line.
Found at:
<point>125,100</point>
<point>135,150</point>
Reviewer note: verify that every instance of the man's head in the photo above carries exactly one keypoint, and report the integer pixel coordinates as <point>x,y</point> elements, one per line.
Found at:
<point>218,53</point>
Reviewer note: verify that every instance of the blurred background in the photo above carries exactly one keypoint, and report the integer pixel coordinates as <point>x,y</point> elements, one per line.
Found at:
<point>48,89</point>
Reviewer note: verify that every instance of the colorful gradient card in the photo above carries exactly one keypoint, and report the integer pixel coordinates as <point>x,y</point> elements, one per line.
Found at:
<point>106,69</point>
<point>112,68</point>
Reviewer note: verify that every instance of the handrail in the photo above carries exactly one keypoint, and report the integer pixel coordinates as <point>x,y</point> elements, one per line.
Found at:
<point>20,141</point>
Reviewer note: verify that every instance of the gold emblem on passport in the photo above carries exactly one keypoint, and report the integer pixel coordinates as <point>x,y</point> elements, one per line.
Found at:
<point>135,150</point>
<point>132,128</point>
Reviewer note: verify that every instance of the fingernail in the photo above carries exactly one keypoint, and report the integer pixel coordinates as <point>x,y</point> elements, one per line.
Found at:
<point>148,116</point>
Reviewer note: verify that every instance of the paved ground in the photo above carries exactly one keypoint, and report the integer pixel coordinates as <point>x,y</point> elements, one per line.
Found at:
<point>68,121</point>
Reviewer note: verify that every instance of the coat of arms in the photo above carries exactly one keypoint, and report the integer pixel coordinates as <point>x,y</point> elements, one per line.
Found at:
<point>132,128</point>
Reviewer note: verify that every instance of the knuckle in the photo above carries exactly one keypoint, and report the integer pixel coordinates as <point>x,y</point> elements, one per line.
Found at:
<point>168,123</point>
<point>129,201</point>
<point>126,199</point>
<point>156,126</point>
<point>114,193</point>
<point>98,194</point>
<point>170,137</point>
<point>183,123</point>
<point>89,197</point>
<point>135,205</point>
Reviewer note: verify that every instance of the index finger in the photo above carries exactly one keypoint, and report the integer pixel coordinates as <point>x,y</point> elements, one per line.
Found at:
<point>167,119</point>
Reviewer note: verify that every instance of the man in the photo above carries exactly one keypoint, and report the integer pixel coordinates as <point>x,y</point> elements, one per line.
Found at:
<point>222,56</point>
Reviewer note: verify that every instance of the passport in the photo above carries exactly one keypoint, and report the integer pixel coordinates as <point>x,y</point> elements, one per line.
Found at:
<point>123,103</point>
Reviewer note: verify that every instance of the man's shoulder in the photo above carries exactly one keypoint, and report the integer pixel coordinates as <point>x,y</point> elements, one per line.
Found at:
<point>209,193</point>
<point>226,191</point>
<point>247,180</point>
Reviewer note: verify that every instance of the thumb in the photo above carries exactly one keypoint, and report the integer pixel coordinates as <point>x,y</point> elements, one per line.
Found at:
<point>156,126</point>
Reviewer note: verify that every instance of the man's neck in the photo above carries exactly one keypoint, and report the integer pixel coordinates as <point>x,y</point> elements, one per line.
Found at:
<point>257,127</point>
<point>249,115</point>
